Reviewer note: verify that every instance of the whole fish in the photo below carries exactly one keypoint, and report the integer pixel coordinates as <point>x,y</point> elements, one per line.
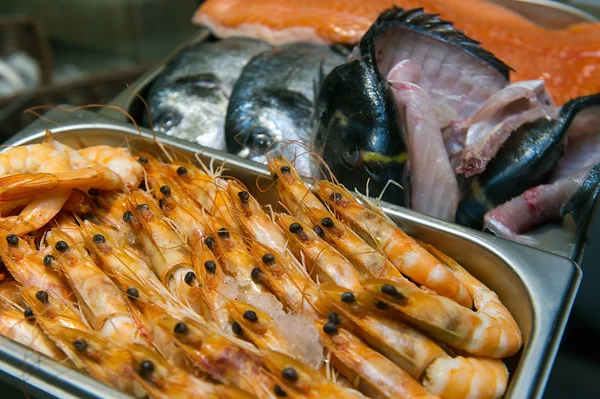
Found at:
<point>380,115</point>
<point>273,101</point>
<point>189,99</point>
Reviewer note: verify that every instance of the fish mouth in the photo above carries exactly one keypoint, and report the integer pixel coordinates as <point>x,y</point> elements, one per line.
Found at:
<point>373,173</point>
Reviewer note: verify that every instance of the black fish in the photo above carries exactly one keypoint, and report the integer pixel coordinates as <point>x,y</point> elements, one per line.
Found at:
<point>273,99</point>
<point>362,130</point>
<point>523,162</point>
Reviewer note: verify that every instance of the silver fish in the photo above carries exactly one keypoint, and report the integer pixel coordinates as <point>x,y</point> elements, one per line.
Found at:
<point>189,99</point>
<point>273,101</point>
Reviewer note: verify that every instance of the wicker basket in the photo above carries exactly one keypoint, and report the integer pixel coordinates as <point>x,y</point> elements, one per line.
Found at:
<point>98,89</point>
<point>24,34</point>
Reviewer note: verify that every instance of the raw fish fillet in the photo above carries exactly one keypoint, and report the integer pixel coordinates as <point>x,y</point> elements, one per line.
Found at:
<point>543,204</point>
<point>434,187</point>
<point>568,60</point>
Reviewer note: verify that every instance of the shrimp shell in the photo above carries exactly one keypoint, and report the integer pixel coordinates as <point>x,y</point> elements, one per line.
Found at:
<point>401,250</point>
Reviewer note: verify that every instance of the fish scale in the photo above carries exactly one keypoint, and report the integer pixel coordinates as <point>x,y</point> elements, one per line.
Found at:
<point>189,99</point>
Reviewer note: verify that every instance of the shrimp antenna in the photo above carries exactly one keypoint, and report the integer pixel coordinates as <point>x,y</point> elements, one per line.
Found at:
<point>380,196</point>
<point>147,109</point>
<point>34,112</point>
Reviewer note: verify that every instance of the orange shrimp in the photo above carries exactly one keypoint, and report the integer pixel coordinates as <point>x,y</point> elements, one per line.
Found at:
<point>293,193</point>
<point>373,374</point>
<point>169,254</point>
<point>328,264</point>
<point>287,279</point>
<point>138,282</point>
<point>410,349</point>
<point>279,332</point>
<point>368,261</point>
<point>302,379</point>
<point>222,357</point>
<point>18,323</point>
<point>489,331</point>
<point>235,256</point>
<point>117,159</point>
<point>189,216</point>
<point>100,300</point>
<point>211,276</point>
<point>33,268</point>
<point>165,382</point>
<point>208,190</point>
<point>198,185</point>
<point>400,249</point>
<point>254,220</point>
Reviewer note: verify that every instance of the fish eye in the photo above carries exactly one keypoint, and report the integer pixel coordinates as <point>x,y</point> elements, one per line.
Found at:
<point>168,120</point>
<point>261,141</point>
<point>350,154</point>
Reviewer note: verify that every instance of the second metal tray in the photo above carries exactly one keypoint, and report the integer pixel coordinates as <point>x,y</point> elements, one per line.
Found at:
<point>537,287</point>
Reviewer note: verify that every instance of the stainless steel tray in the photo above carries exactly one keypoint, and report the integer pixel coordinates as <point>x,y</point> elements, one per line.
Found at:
<point>558,238</point>
<point>537,287</point>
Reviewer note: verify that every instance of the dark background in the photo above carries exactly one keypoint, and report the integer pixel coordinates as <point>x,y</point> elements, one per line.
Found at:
<point>97,47</point>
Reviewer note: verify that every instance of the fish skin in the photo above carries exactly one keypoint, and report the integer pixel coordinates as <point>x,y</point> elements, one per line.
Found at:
<point>361,130</point>
<point>273,101</point>
<point>524,161</point>
<point>189,98</point>
<point>568,59</point>
<point>574,194</point>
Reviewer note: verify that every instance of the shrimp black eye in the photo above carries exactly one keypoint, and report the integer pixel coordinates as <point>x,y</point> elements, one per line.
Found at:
<point>268,258</point>
<point>146,367</point>
<point>48,259</point>
<point>128,217</point>
<point>42,296</point>
<point>250,315</point>
<point>348,297</point>
<point>181,328</point>
<point>132,292</point>
<point>12,239</point>
<point>80,344</point>
<point>167,120</point>
<point>210,266</point>
<point>260,141</point>
<point>350,154</point>
<point>165,190</point>
<point>28,313</point>
<point>99,239</point>
<point>289,374</point>
<point>182,171</point>
<point>255,273</point>
<point>61,246</point>
<point>189,278</point>
<point>236,328</point>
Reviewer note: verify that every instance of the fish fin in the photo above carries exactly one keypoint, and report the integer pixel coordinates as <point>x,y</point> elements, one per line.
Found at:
<point>318,82</point>
<point>431,24</point>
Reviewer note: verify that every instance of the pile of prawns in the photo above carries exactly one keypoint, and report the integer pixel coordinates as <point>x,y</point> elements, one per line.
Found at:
<point>123,266</point>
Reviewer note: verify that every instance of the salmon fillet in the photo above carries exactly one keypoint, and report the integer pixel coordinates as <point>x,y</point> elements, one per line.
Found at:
<point>568,60</point>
